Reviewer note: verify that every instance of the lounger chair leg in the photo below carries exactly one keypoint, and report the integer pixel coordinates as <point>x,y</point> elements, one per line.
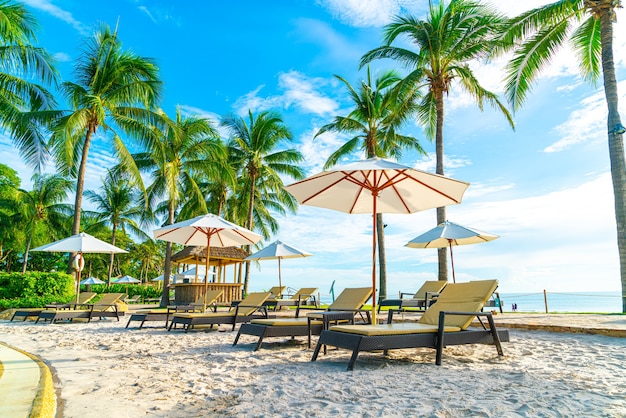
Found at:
<point>237,337</point>
<point>496,337</point>
<point>316,351</point>
<point>439,355</point>
<point>353,357</point>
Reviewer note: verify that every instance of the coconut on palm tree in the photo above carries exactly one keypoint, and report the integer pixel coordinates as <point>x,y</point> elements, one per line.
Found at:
<point>255,148</point>
<point>446,41</point>
<point>373,129</point>
<point>536,36</point>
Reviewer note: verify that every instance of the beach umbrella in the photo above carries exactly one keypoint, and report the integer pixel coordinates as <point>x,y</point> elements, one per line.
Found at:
<point>158,278</point>
<point>376,185</point>
<point>91,280</point>
<point>209,230</point>
<point>126,279</point>
<point>80,243</point>
<point>448,234</point>
<point>277,251</point>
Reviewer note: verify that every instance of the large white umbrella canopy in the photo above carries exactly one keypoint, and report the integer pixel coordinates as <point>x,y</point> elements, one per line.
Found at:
<point>277,251</point>
<point>80,243</point>
<point>448,234</point>
<point>209,230</point>
<point>376,185</point>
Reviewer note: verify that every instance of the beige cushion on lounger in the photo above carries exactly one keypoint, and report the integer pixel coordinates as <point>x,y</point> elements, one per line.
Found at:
<point>247,307</point>
<point>398,328</point>
<point>285,322</point>
<point>351,299</point>
<point>460,297</point>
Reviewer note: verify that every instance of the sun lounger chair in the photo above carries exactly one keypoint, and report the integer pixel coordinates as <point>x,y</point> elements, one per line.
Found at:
<point>420,300</point>
<point>164,314</point>
<point>300,298</point>
<point>103,308</point>
<point>84,297</point>
<point>133,299</point>
<point>242,312</point>
<point>344,308</point>
<point>444,323</point>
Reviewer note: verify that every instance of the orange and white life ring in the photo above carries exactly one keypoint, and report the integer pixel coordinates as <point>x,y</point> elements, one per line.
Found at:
<point>79,262</point>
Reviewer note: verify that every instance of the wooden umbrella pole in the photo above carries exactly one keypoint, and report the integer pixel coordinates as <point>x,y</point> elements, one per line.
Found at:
<point>280,279</point>
<point>452,261</point>
<point>206,268</point>
<point>374,320</point>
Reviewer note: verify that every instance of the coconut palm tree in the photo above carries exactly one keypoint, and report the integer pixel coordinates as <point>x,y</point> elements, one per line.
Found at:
<point>117,206</point>
<point>446,41</point>
<point>536,36</point>
<point>183,154</point>
<point>379,112</point>
<point>42,211</point>
<point>254,146</point>
<point>114,92</point>
<point>23,102</point>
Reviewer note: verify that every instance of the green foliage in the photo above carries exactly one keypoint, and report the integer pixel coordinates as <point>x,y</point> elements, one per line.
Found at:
<point>147,292</point>
<point>34,289</point>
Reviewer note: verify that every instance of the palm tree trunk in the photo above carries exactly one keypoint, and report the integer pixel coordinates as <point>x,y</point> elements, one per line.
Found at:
<point>25,265</point>
<point>616,141</point>
<point>165,295</point>
<point>78,199</point>
<point>382,258</point>
<point>249,225</point>
<point>112,254</point>
<point>442,255</point>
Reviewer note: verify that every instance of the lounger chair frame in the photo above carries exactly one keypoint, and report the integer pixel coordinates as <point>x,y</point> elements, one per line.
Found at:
<point>92,311</point>
<point>302,326</point>
<point>437,340</point>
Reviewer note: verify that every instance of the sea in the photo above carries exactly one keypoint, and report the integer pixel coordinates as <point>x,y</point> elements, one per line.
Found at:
<point>596,302</point>
<point>588,302</point>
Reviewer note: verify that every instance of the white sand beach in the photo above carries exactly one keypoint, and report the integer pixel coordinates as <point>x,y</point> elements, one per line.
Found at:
<point>104,370</point>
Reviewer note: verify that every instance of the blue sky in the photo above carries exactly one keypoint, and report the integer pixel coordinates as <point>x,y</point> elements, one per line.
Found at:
<point>545,188</point>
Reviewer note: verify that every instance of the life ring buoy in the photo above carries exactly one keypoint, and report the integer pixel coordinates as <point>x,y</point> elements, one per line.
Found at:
<point>79,262</point>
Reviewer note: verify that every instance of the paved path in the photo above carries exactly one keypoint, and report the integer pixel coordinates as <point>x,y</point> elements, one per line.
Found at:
<point>19,382</point>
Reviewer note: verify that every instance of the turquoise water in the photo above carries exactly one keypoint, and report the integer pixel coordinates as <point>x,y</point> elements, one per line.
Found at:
<point>603,302</point>
<point>609,302</point>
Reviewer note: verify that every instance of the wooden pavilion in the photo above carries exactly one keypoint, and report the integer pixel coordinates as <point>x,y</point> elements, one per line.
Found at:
<point>219,259</point>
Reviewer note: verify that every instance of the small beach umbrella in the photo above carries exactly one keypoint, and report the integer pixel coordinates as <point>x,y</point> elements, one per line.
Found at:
<point>158,278</point>
<point>126,279</point>
<point>277,251</point>
<point>448,234</point>
<point>376,185</point>
<point>80,243</point>
<point>91,280</point>
<point>209,230</point>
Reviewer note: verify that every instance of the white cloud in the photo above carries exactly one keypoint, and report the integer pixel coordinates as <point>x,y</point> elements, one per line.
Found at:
<point>588,122</point>
<point>147,12</point>
<point>62,57</point>
<point>48,7</point>
<point>359,13</point>
<point>297,90</point>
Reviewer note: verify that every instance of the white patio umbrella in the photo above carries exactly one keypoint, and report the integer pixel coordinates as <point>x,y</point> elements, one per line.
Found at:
<point>80,243</point>
<point>91,280</point>
<point>448,234</point>
<point>376,185</point>
<point>127,280</point>
<point>208,230</point>
<point>277,251</point>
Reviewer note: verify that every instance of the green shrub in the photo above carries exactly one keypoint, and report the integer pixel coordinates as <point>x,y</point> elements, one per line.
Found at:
<point>34,289</point>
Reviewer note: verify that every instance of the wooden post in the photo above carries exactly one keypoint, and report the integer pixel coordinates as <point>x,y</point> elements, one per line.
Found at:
<point>545,299</point>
